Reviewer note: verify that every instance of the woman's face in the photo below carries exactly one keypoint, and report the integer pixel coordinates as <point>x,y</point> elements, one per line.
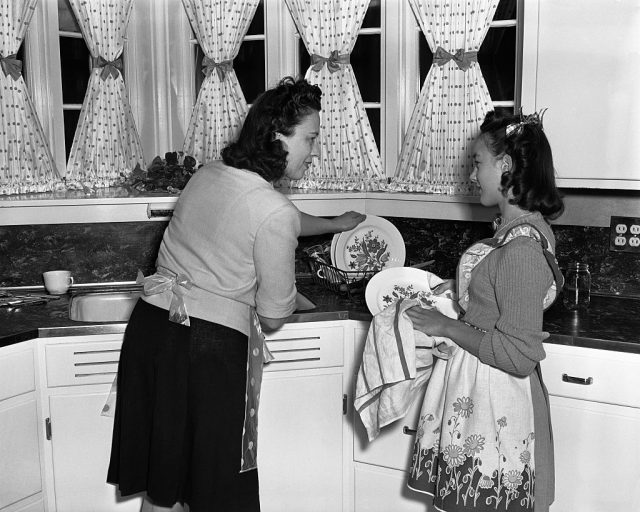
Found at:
<point>487,173</point>
<point>301,145</point>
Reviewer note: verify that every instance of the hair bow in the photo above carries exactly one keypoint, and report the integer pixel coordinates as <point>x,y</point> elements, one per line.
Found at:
<point>534,119</point>
<point>11,66</point>
<point>113,67</point>
<point>222,68</point>
<point>462,59</point>
<point>333,62</point>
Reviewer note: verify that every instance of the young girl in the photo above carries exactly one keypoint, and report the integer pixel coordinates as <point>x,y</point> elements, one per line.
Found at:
<point>484,441</point>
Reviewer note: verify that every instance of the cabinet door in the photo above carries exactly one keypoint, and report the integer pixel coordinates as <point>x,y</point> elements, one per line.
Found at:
<point>581,61</point>
<point>19,450</point>
<point>300,442</point>
<point>385,490</point>
<point>81,444</point>
<point>597,450</point>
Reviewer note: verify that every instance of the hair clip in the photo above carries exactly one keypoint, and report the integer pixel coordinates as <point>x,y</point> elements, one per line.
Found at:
<point>534,119</point>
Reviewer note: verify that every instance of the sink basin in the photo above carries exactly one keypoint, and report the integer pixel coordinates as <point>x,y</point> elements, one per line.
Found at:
<point>103,306</point>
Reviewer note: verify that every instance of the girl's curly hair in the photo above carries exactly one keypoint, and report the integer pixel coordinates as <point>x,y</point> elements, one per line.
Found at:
<point>531,179</point>
<point>277,110</point>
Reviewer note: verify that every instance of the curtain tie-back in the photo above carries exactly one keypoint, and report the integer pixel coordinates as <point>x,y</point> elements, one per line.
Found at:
<point>222,68</point>
<point>462,59</point>
<point>112,68</point>
<point>333,62</point>
<point>11,66</point>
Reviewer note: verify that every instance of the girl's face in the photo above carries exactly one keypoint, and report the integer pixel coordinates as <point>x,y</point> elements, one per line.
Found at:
<point>301,145</point>
<point>487,172</point>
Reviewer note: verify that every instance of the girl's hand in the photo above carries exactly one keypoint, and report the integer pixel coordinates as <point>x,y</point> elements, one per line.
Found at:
<point>429,321</point>
<point>448,285</point>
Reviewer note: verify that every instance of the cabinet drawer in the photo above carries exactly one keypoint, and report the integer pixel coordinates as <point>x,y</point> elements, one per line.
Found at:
<point>75,364</point>
<point>17,374</point>
<point>595,375</point>
<point>302,348</point>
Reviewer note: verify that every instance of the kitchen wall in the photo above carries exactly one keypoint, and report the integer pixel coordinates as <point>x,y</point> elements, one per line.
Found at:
<point>109,252</point>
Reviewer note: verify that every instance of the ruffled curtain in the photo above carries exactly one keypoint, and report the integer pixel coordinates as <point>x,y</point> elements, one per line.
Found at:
<point>220,27</point>
<point>106,144</point>
<point>349,158</point>
<point>26,164</point>
<point>453,101</point>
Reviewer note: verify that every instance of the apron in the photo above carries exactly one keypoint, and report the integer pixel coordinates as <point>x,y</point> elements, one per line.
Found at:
<point>257,355</point>
<point>475,442</point>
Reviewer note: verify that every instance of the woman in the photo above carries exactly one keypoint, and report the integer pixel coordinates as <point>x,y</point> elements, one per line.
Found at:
<point>484,441</point>
<point>225,269</point>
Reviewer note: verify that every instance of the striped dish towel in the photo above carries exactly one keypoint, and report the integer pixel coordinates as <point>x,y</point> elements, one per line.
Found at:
<point>396,365</point>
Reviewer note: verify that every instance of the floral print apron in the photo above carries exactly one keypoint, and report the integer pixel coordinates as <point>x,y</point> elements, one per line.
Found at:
<point>474,447</point>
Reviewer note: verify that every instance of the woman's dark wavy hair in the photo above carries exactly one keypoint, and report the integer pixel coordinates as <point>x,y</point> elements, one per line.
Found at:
<point>277,110</point>
<point>532,177</point>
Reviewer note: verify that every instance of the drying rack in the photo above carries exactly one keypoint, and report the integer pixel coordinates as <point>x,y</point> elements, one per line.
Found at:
<point>342,282</point>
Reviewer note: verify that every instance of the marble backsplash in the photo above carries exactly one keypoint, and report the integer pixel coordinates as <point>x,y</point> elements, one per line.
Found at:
<point>110,252</point>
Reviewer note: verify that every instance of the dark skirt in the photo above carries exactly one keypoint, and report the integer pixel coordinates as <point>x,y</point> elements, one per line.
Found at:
<point>179,414</point>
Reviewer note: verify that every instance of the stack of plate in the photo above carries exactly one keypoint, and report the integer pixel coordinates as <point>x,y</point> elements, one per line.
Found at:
<point>373,245</point>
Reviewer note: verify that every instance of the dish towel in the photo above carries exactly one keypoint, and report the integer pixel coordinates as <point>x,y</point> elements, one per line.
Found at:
<point>397,362</point>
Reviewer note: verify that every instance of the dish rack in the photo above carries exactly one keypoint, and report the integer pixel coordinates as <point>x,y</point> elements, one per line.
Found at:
<point>342,282</point>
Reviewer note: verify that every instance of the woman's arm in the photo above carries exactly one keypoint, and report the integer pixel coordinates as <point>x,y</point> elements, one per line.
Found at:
<point>312,225</point>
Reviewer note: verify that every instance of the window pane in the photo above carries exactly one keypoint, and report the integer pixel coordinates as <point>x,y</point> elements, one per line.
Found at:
<point>506,10</point>
<point>372,17</point>
<point>75,68</point>
<point>365,60</point>
<point>374,120</point>
<point>426,58</point>
<point>257,23</point>
<point>497,59</point>
<point>249,66</point>
<point>304,59</point>
<point>66,19</point>
<point>70,122</point>
<point>20,57</point>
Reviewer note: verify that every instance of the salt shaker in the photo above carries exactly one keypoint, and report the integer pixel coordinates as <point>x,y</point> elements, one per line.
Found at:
<point>577,286</point>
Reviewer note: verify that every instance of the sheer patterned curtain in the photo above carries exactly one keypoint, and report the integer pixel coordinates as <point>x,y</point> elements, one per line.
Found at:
<point>349,157</point>
<point>453,101</point>
<point>26,164</point>
<point>220,109</point>
<point>106,144</point>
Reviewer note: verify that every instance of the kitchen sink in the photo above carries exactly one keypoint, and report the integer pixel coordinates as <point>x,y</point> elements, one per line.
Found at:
<point>110,306</point>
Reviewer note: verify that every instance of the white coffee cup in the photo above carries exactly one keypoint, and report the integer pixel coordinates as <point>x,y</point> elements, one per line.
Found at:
<point>57,282</point>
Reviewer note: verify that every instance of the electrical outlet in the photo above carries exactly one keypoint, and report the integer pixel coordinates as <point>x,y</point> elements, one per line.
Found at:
<point>624,234</point>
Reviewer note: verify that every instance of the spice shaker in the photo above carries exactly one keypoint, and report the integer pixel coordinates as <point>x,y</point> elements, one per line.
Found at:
<point>577,286</point>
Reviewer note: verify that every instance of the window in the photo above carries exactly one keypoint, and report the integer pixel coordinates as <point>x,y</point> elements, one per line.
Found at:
<point>75,70</point>
<point>498,57</point>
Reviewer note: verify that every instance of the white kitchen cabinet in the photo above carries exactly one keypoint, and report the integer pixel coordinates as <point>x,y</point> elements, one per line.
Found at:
<point>581,62</point>
<point>20,468</point>
<point>300,450</point>
<point>79,373</point>
<point>595,413</point>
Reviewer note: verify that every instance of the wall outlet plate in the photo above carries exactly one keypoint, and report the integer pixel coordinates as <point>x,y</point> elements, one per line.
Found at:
<point>624,234</point>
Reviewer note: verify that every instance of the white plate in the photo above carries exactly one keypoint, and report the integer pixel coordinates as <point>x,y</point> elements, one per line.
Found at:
<point>388,286</point>
<point>373,244</point>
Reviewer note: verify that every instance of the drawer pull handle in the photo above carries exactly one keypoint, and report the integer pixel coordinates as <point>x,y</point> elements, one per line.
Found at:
<point>409,431</point>
<point>577,380</point>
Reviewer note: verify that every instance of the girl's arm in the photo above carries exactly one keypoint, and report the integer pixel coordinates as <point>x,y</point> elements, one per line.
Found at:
<point>313,225</point>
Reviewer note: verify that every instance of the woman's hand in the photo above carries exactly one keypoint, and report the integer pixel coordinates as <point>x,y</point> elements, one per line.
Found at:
<point>429,321</point>
<point>446,286</point>
<point>347,221</point>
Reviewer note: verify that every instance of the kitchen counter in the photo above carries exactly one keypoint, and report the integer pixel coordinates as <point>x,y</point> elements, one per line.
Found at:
<point>610,323</point>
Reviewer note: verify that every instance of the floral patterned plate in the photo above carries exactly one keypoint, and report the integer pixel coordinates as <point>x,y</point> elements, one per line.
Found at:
<point>392,284</point>
<point>371,246</point>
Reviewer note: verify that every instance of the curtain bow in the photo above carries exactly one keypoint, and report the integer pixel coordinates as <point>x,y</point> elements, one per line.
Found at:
<point>462,59</point>
<point>333,62</point>
<point>112,68</point>
<point>11,66</point>
<point>222,68</point>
